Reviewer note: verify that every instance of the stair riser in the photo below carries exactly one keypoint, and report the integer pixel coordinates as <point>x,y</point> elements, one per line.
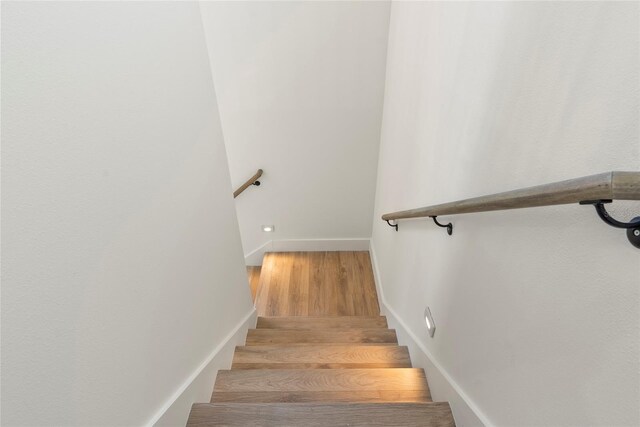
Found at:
<point>323,380</point>
<point>333,397</point>
<point>299,337</point>
<point>319,365</point>
<point>320,323</point>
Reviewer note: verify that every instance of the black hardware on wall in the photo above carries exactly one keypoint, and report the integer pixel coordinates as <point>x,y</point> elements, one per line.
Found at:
<point>633,227</point>
<point>449,226</point>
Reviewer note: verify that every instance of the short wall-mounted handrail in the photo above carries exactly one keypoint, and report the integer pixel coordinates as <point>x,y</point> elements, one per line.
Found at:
<point>593,189</point>
<point>251,181</point>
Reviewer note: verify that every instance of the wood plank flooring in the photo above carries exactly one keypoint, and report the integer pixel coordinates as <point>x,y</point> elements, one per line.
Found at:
<point>253,273</point>
<point>319,322</point>
<point>322,355</point>
<point>321,379</point>
<point>435,414</point>
<point>360,396</point>
<point>377,336</point>
<point>317,284</point>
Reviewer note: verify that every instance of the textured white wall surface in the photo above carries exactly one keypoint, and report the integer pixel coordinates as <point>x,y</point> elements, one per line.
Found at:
<point>122,266</point>
<point>300,88</point>
<point>537,310</point>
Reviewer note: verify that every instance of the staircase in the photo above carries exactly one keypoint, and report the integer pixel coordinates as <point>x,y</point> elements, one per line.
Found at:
<point>321,371</point>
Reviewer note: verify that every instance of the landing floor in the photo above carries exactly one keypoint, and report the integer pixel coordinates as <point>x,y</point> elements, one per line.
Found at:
<point>317,284</point>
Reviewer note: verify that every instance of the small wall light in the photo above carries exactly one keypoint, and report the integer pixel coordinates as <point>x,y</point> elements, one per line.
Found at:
<point>431,326</point>
<point>268,228</point>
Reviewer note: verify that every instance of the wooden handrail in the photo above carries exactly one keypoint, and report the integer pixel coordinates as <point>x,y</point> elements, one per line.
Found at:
<point>251,181</point>
<point>604,186</point>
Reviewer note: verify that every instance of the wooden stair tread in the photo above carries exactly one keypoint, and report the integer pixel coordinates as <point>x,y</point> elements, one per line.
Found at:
<point>320,356</point>
<point>327,336</point>
<point>321,379</point>
<point>321,322</point>
<point>436,414</point>
<point>322,396</point>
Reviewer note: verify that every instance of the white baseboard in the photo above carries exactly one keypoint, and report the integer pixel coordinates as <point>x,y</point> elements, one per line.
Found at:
<point>441,384</point>
<point>306,245</point>
<point>255,257</point>
<point>199,386</point>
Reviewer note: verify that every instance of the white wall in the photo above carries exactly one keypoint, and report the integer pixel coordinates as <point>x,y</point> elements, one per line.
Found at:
<point>122,267</point>
<point>300,88</point>
<point>537,310</point>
